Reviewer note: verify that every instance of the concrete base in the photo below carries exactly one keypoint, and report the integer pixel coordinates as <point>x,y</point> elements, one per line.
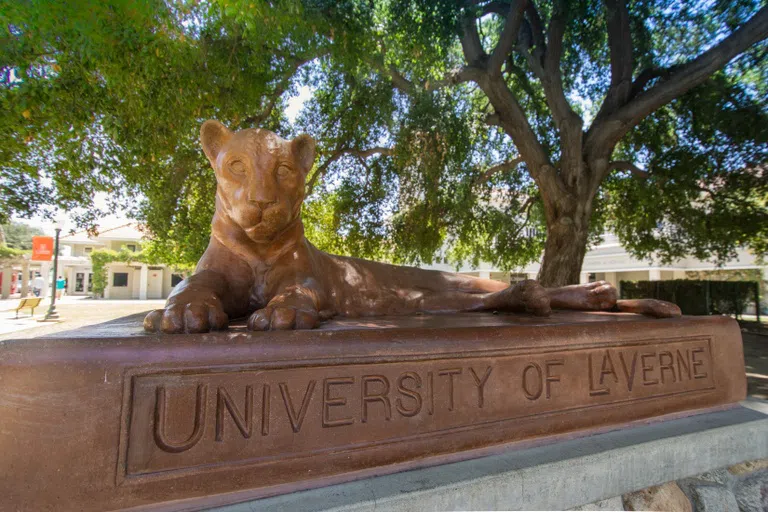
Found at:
<point>558,476</point>
<point>106,422</point>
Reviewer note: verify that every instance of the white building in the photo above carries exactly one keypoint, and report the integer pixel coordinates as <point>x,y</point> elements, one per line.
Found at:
<point>124,280</point>
<point>609,261</point>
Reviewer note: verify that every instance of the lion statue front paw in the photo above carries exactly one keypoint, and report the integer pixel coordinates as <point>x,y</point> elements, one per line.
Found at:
<point>283,318</point>
<point>186,318</point>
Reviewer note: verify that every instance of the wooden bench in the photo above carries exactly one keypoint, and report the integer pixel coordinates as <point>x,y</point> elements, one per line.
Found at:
<point>31,303</point>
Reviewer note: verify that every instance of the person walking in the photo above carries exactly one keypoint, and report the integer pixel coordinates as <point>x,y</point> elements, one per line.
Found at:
<point>37,286</point>
<point>61,283</point>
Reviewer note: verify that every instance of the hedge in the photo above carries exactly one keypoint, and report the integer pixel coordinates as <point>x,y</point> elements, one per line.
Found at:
<point>697,297</point>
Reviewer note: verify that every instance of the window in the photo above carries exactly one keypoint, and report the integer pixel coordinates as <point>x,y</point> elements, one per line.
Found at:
<point>88,250</point>
<point>131,247</point>
<point>176,279</point>
<point>120,279</point>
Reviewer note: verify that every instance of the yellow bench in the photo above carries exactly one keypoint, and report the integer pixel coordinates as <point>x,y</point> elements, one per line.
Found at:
<point>28,303</point>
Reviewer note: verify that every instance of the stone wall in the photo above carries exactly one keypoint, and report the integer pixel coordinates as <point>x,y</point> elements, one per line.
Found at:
<point>739,488</point>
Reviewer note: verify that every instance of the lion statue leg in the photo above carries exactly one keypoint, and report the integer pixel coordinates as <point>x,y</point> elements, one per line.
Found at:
<point>596,296</point>
<point>523,297</point>
<point>602,296</point>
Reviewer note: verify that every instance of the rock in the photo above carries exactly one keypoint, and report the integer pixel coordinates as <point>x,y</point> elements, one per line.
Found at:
<point>717,476</point>
<point>713,498</point>
<point>668,497</point>
<point>609,504</point>
<point>752,493</point>
<point>748,467</point>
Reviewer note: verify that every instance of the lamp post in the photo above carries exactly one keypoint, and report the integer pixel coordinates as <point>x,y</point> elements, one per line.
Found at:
<point>52,314</point>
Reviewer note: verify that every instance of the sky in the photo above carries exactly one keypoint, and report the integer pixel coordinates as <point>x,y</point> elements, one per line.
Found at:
<point>296,103</point>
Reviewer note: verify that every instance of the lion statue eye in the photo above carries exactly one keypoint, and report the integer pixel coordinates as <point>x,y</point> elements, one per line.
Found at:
<point>237,167</point>
<point>284,171</point>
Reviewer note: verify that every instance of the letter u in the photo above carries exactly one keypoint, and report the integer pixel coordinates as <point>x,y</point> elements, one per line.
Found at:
<point>197,432</point>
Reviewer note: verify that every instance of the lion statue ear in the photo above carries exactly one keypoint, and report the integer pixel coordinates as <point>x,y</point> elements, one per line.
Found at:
<point>213,136</point>
<point>303,148</point>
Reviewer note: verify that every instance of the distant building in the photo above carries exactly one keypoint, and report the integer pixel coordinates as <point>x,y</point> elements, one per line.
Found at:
<point>124,281</point>
<point>609,261</point>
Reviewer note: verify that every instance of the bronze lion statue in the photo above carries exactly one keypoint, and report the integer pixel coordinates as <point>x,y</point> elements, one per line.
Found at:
<point>260,265</point>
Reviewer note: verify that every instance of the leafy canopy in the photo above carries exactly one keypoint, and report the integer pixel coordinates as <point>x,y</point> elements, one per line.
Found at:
<point>108,97</point>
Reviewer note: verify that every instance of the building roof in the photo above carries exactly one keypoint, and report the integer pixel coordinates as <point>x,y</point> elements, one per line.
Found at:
<point>130,231</point>
<point>81,237</point>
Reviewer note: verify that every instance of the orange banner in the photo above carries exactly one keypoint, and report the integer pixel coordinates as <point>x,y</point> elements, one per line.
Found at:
<point>42,248</point>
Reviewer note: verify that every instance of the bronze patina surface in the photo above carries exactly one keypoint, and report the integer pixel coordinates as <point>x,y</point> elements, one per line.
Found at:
<point>113,418</point>
<point>260,266</point>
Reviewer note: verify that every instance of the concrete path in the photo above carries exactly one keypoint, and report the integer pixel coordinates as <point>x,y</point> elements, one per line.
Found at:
<point>74,312</point>
<point>756,359</point>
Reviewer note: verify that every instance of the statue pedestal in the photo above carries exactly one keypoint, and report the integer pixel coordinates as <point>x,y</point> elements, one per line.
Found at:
<point>109,417</point>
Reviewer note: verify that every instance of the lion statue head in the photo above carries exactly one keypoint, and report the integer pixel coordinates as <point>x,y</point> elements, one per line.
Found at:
<point>261,176</point>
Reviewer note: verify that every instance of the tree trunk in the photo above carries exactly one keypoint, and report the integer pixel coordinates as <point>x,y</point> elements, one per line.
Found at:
<point>567,233</point>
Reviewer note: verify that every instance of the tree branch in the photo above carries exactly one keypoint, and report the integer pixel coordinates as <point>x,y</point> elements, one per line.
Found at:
<point>280,88</point>
<point>607,132</point>
<point>646,76</point>
<point>503,166</point>
<point>400,82</point>
<point>365,153</point>
<point>470,43</point>
<point>512,119</point>
<point>555,34</point>
<point>510,116</point>
<point>360,153</point>
<point>568,122</point>
<point>537,28</point>
<point>508,36</point>
<point>626,165</point>
<point>526,209</point>
<point>495,7</point>
<point>544,61</point>
<point>258,119</point>
<point>552,79</point>
<point>622,63</point>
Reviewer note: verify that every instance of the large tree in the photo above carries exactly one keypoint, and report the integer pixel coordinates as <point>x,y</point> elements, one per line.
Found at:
<point>448,129</point>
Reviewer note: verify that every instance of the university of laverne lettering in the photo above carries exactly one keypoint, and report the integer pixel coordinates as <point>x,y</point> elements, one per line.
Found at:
<point>227,413</point>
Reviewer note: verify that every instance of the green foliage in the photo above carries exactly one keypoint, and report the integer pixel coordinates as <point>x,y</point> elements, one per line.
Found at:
<point>100,258</point>
<point>108,97</point>
<point>19,235</point>
<point>9,253</point>
<point>707,190</point>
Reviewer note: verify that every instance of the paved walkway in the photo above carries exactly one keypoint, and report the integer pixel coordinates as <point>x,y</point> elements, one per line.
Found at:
<point>73,311</point>
<point>756,359</point>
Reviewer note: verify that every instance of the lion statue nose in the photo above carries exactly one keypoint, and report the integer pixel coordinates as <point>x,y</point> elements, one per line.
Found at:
<point>265,204</point>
